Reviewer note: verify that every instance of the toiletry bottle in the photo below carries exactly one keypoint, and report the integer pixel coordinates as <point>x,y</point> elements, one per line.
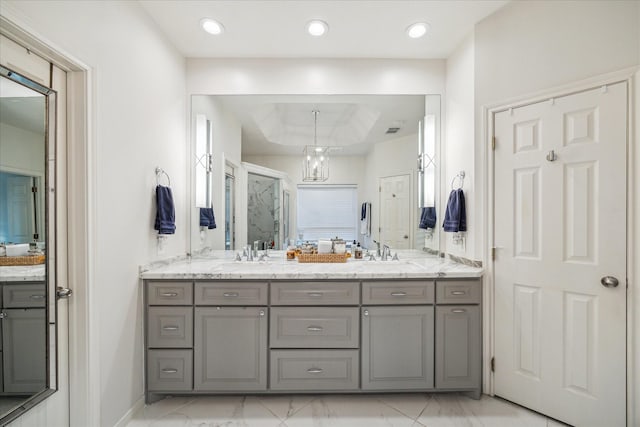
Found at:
<point>358,251</point>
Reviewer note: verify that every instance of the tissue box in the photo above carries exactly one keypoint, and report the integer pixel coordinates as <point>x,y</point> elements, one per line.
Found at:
<point>21,249</point>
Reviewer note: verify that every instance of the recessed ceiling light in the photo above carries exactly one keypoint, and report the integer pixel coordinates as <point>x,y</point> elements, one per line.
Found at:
<point>417,30</point>
<point>212,26</point>
<point>317,28</point>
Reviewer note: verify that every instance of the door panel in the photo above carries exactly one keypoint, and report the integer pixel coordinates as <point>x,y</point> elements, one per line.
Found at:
<point>560,215</point>
<point>395,208</point>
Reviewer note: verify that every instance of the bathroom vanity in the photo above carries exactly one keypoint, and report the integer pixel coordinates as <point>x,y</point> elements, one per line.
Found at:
<point>215,326</point>
<point>22,314</point>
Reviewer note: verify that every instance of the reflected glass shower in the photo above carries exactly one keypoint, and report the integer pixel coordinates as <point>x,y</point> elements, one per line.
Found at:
<point>263,211</point>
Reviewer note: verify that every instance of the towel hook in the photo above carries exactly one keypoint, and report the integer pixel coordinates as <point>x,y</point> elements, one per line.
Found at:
<point>460,175</point>
<point>159,173</point>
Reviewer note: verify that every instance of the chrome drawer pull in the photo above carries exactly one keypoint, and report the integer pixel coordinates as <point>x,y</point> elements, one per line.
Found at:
<point>261,313</point>
<point>169,294</point>
<point>458,293</point>
<point>315,294</point>
<point>37,296</point>
<point>169,371</point>
<point>315,371</point>
<point>170,328</point>
<point>458,310</point>
<point>314,328</point>
<point>398,294</point>
<point>231,294</point>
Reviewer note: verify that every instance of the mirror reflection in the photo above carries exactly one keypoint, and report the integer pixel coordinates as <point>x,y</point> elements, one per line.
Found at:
<point>369,144</point>
<point>23,348</point>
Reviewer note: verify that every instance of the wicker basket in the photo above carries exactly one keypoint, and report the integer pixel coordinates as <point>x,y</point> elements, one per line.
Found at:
<point>21,260</point>
<point>335,258</point>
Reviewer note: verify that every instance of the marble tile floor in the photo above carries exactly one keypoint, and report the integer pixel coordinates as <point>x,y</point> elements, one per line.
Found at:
<point>384,410</point>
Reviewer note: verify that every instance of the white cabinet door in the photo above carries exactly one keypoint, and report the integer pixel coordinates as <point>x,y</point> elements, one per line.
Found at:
<point>560,215</point>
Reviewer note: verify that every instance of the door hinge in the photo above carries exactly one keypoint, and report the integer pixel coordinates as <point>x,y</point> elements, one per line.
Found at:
<point>380,189</point>
<point>493,254</point>
<point>493,364</point>
<point>493,143</point>
<point>34,189</point>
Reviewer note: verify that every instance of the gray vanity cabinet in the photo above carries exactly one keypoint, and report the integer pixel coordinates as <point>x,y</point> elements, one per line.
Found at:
<point>458,335</point>
<point>397,335</point>
<point>397,348</point>
<point>230,349</point>
<point>23,360</point>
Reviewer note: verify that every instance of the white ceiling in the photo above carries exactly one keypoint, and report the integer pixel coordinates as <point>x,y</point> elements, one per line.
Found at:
<point>357,29</point>
<point>284,124</point>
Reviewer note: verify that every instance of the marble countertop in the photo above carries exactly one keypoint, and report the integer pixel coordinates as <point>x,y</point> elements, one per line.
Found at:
<point>23,273</point>
<point>221,265</point>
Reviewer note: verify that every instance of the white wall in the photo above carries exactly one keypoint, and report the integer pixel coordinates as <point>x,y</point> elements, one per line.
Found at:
<point>458,148</point>
<point>21,150</point>
<point>139,123</point>
<point>226,147</point>
<point>386,159</point>
<point>315,76</point>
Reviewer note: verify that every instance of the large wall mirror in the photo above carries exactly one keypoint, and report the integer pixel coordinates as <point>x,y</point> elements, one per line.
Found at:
<point>27,299</point>
<point>373,160</point>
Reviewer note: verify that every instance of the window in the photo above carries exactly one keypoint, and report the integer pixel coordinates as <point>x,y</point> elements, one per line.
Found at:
<point>327,211</point>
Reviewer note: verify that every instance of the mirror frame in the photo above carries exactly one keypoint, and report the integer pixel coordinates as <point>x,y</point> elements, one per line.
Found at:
<point>51,311</point>
<point>432,106</point>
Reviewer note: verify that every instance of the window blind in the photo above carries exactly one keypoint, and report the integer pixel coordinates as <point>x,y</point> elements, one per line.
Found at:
<point>326,211</point>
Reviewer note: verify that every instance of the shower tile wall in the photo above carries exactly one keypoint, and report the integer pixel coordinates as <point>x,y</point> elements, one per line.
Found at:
<point>263,209</point>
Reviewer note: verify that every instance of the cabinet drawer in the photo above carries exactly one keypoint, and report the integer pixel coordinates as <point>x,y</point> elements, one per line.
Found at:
<point>314,327</point>
<point>170,370</point>
<point>459,292</point>
<point>314,370</point>
<point>232,293</point>
<point>170,293</point>
<point>170,327</point>
<point>24,295</point>
<point>398,292</point>
<point>315,293</point>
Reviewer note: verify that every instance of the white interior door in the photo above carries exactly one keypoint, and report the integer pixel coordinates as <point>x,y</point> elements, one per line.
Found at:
<point>395,211</point>
<point>54,410</point>
<point>560,226</point>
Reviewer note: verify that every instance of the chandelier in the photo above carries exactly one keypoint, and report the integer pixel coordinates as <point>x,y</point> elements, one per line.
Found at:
<point>315,160</point>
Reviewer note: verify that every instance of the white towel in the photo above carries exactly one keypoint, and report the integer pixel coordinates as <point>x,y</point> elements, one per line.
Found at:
<point>365,221</point>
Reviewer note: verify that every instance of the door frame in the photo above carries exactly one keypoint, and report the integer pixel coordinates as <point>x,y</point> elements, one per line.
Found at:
<point>631,76</point>
<point>84,378</point>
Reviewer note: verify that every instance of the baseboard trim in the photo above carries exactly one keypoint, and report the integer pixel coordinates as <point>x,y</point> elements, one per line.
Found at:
<point>128,416</point>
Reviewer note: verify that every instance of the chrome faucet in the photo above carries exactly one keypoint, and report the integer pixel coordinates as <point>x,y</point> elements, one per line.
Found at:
<point>386,253</point>
<point>377,250</point>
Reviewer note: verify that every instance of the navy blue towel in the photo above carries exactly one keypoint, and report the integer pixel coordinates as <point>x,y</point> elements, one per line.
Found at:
<point>207,219</point>
<point>166,212</point>
<point>428,218</point>
<point>455,218</point>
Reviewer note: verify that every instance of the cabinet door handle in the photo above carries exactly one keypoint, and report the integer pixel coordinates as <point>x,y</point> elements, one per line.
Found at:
<point>170,328</point>
<point>366,312</point>
<point>262,313</point>
<point>231,295</point>
<point>315,370</point>
<point>36,296</point>
<point>314,328</point>
<point>398,294</point>
<point>169,371</point>
<point>169,294</point>
<point>458,292</point>
<point>458,310</point>
<point>315,294</point>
